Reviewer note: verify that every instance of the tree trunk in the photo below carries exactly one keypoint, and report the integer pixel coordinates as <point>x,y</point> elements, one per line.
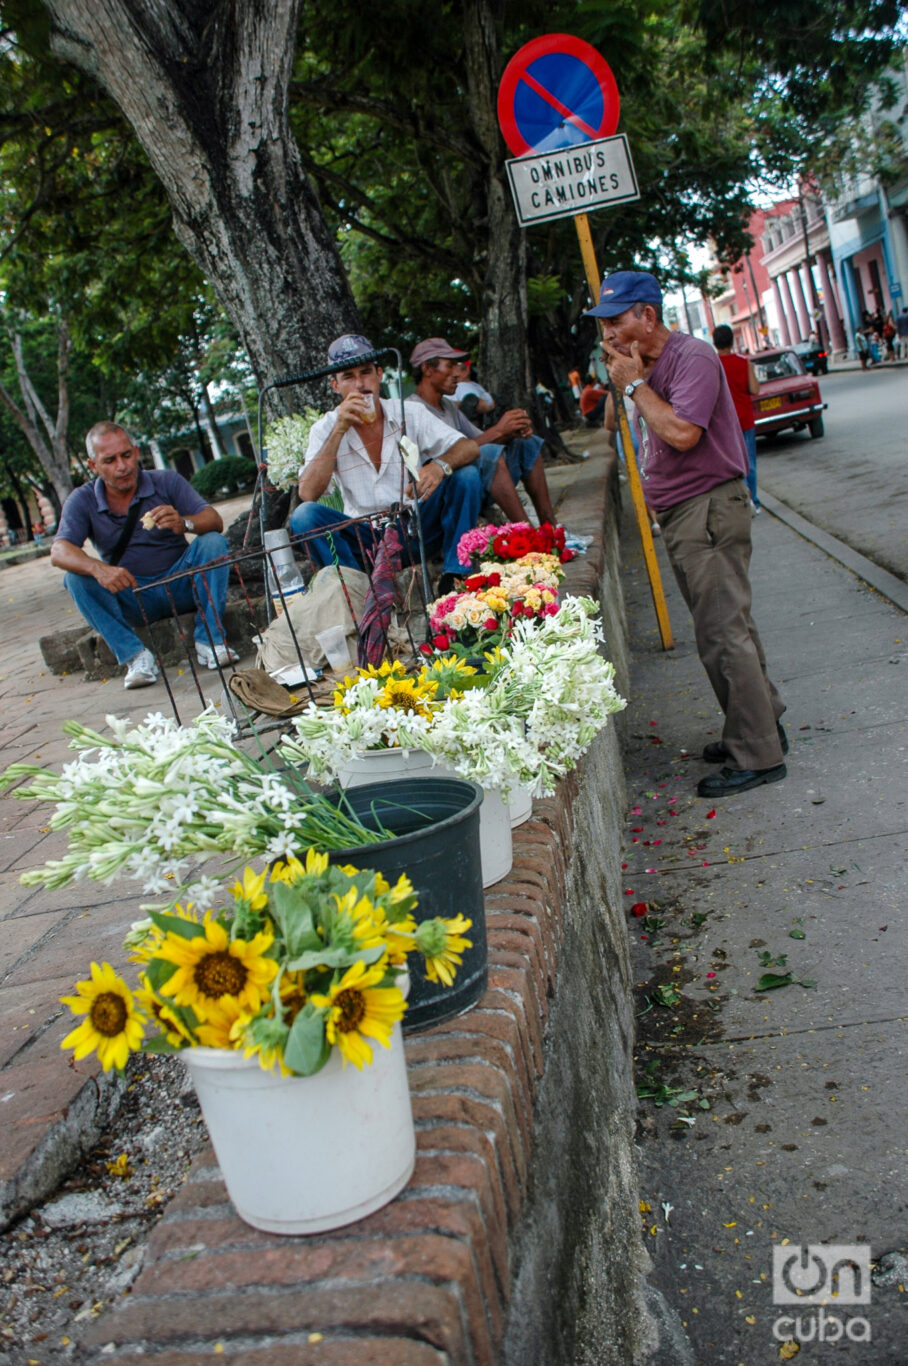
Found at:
<point>204,86</point>
<point>504,361</point>
<point>217,445</point>
<point>52,454</point>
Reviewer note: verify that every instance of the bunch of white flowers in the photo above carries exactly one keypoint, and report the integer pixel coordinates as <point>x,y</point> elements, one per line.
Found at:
<point>286,440</point>
<point>147,801</point>
<point>544,698</point>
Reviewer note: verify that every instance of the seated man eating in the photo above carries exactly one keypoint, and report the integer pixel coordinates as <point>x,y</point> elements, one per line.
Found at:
<point>355,448</point>
<point>137,520</point>
<point>509,450</point>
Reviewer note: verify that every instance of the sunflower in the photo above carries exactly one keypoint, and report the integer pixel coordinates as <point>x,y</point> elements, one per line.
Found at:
<point>407,694</point>
<point>163,1015</point>
<point>293,995</point>
<point>145,938</point>
<point>211,967</point>
<point>292,870</point>
<point>358,1009</point>
<point>360,921</point>
<point>442,944</point>
<point>251,889</point>
<point>223,1027</point>
<point>113,1028</point>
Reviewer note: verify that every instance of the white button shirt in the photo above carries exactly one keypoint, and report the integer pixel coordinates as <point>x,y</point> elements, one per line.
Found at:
<point>364,488</point>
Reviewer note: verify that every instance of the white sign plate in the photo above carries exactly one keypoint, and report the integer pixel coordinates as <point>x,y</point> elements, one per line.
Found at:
<point>589,175</point>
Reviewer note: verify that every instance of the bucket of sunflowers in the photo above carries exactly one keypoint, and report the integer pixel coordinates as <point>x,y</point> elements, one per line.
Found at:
<point>286,1006</point>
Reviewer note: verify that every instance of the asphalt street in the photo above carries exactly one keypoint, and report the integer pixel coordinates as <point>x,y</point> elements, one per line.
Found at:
<point>852,482</point>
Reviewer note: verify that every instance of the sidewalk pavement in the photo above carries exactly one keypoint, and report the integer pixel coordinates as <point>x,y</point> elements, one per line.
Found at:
<point>50,1112</point>
<point>782,1114</point>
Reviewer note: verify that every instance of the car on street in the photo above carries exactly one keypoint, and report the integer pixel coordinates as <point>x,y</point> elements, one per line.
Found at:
<point>789,397</point>
<point>814,356</point>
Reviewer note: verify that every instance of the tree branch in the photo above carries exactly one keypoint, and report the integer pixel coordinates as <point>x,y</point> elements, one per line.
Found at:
<point>443,136</point>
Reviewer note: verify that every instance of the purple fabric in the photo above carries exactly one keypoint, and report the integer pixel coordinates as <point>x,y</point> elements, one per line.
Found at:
<point>373,627</point>
<point>149,554</point>
<point>689,376</point>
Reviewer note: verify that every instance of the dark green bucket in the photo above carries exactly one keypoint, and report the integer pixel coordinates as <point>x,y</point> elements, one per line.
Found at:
<point>436,843</point>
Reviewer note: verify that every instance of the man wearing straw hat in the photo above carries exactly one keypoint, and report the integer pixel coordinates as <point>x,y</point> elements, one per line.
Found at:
<point>355,448</point>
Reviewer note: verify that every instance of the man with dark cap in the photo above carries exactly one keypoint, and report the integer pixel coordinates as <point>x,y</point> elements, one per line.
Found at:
<point>693,463</point>
<point>355,448</point>
<point>509,451</point>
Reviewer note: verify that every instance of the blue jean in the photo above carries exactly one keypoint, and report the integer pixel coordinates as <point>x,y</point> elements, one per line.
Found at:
<point>113,615</point>
<point>446,515</point>
<point>750,441</point>
<point>520,456</point>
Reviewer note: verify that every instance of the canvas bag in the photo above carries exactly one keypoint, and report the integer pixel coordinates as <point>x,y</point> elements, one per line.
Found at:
<point>325,604</point>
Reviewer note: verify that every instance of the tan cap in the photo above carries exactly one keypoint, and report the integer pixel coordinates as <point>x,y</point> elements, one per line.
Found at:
<point>434,347</point>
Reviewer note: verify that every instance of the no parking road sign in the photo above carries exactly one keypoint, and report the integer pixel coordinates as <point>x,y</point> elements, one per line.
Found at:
<point>555,92</point>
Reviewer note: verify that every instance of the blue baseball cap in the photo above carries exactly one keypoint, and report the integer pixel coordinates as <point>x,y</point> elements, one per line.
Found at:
<point>622,290</point>
<point>348,347</point>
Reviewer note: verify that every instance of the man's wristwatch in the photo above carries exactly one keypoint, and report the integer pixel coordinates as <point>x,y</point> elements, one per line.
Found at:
<point>188,524</point>
<point>445,467</point>
<point>630,389</point>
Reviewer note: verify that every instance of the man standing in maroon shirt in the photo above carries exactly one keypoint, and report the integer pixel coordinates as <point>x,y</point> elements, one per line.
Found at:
<point>692,464</point>
<point>743,383</point>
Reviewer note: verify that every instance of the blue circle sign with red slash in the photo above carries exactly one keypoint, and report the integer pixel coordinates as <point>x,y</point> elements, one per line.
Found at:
<point>557,91</point>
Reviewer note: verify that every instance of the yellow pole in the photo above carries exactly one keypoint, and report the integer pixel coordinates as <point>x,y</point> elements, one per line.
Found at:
<point>588,253</point>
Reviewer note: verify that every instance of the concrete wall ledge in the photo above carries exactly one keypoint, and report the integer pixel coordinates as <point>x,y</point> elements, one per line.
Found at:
<point>518,1240</point>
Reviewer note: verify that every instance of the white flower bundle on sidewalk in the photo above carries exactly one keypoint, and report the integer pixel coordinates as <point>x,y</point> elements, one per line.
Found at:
<point>145,802</point>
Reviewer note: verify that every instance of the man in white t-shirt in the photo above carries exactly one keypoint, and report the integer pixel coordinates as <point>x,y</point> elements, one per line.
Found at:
<point>509,453</point>
<point>355,449</point>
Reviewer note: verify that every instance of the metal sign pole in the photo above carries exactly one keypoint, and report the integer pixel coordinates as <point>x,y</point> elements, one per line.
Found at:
<point>587,251</point>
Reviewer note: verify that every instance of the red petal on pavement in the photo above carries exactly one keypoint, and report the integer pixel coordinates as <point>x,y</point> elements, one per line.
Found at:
<point>710,814</point>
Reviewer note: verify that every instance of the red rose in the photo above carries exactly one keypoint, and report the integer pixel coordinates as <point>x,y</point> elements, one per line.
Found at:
<point>474,583</point>
<point>426,649</point>
<point>517,608</point>
<point>442,642</point>
<point>491,623</point>
<point>639,909</point>
<point>567,555</point>
<point>493,580</point>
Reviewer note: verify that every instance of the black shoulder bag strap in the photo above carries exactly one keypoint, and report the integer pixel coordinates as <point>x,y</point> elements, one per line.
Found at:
<point>119,549</point>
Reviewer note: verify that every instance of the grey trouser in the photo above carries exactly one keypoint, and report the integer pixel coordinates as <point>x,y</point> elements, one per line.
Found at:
<point>708,543</point>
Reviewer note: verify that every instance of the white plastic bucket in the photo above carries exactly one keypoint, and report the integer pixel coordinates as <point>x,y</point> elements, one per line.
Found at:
<point>306,1154</point>
<point>520,805</point>
<point>380,765</point>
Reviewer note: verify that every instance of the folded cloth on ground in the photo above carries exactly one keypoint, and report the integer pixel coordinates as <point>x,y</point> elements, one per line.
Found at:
<point>258,691</point>
<point>334,590</point>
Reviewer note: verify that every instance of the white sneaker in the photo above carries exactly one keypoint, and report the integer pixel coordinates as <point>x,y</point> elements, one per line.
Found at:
<point>210,658</point>
<point>141,671</point>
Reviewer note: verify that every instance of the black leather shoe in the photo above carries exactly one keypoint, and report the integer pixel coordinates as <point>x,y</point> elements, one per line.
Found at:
<point>729,781</point>
<point>716,753</point>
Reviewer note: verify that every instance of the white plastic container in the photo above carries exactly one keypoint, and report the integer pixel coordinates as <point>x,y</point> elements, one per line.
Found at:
<point>380,765</point>
<point>307,1154</point>
<point>520,806</point>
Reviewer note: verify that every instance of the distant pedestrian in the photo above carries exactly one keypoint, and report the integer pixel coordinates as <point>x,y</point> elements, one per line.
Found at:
<point>592,401</point>
<point>743,383</point>
<point>889,336</point>
<point>862,346</point>
<point>901,327</point>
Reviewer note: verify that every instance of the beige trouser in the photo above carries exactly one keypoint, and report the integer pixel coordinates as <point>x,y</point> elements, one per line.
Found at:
<point>708,543</point>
